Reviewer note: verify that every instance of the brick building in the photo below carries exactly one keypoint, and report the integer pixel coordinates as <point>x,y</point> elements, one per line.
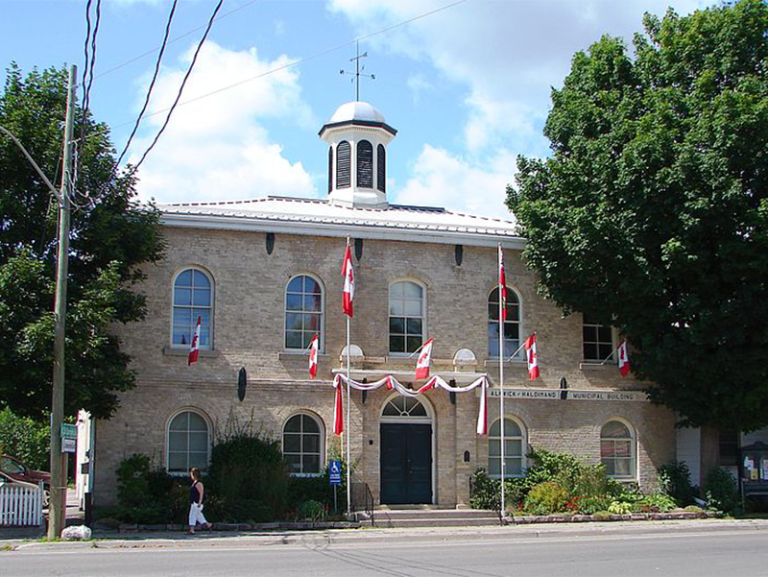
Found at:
<point>264,276</point>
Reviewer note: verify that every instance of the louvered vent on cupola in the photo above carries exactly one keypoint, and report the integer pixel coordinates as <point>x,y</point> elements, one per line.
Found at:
<point>364,164</point>
<point>343,165</point>
<point>381,168</point>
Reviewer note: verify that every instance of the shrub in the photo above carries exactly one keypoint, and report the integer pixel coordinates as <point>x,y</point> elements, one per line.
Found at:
<point>311,511</point>
<point>675,481</point>
<point>658,503</point>
<point>486,492</point>
<point>546,498</point>
<point>147,495</point>
<point>591,505</point>
<point>620,508</point>
<point>26,439</point>
<point>319,489</point>
<point>601,516</point>
<point>587,481</point>
<point>720,490</point>
<point>247,470</point>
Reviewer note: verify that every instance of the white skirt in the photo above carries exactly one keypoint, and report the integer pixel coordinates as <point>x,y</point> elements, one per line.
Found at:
<point>196,515</point>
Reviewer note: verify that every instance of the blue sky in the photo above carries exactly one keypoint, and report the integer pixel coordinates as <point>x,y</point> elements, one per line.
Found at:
<point>467,87</point>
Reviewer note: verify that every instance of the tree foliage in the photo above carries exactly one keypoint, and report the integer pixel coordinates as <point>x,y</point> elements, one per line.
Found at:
<point>651,213</point>
<point>110,235</point>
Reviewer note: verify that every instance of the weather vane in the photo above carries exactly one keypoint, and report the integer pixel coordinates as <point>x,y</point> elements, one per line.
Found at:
<point>358,70</point>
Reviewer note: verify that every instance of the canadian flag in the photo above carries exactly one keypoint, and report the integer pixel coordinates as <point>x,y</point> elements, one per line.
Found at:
<point>624,367</point>
<point>482,416</point>
<point>314,345</point>
<point>194,347</point>
<point>502,286</point>
<point>532,355</point>
<point>422,365</point>
<point>338,411</point>
<point>348,294</point>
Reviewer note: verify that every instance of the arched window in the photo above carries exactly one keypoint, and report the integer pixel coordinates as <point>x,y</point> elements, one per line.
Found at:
<point>381,168</point>
<point>364,164</point>
<point>189,442</point>
<point>192,298</point>
<point>330,169</point>
<point>406,317</point>
<point>343,165</point>
<point>617,450</point>
<point>303,444</point>
<point>303,312</point>
<point>511,325</point>
<point>514,440</point>
<point>401,406</point>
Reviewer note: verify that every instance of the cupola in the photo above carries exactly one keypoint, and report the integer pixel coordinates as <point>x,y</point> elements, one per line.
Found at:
<point>357,136</point>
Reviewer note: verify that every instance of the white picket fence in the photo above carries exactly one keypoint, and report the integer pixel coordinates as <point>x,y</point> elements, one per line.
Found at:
<point>21,505</point>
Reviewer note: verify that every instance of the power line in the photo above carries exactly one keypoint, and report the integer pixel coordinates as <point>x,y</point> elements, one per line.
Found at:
<point>305,59</point>
<point>181,88</point>
<point>172,40</point>
<point>151,84</point>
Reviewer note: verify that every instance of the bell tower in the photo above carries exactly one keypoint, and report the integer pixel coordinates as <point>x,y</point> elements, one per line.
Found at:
<point>357,138</point>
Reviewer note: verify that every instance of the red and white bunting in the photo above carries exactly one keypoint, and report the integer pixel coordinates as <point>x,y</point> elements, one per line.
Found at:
<point>425,358</point>
<point>482,415</point>
<point>338,411</point>
<point>532,355</point>
<point>314,346</point>
<point>348,294</point>
<point>194,347</point>
<point>624,366</point>
<point>502,285</point>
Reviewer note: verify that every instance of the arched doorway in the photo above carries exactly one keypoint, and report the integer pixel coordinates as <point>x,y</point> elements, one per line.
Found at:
<point>406,452</point>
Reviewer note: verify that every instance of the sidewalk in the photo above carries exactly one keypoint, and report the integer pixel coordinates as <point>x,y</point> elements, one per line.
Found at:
<point>111,540</point>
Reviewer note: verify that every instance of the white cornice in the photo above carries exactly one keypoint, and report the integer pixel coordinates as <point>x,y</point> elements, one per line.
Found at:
<point>341,229</point>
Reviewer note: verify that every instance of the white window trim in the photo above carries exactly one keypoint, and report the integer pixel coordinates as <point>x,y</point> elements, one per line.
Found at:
<point>167,457</point>
<point>322,313</point>
<point>424,331</point>
<point>614,345</point>
<point>321,425</point>
<point>520,356</point>
<point>207,273</point>
<point>633,441</point>
<point>524,445</point>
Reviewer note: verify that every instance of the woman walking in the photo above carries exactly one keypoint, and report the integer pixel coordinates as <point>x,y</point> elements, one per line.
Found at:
<point>196,492</point>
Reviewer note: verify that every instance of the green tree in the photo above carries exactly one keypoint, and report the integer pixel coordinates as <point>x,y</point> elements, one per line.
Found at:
<point>110,235</point>
<point>651,212</point>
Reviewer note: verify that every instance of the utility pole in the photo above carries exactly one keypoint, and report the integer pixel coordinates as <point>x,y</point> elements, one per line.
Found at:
<point>58,504</point>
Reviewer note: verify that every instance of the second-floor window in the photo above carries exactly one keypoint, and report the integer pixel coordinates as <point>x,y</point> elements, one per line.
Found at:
<point>406,317</point>
<point>303,312</point>
<point>511,325</point>
<point>192,299</point>
<point>597,339</point>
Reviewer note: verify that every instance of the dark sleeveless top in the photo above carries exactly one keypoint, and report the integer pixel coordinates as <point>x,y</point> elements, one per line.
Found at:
<point>194,494</point>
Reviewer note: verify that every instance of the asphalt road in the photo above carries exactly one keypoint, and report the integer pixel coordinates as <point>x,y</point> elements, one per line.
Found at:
<point>712,553</point>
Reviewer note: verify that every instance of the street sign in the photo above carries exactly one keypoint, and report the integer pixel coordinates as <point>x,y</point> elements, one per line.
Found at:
<point>68,438</point>
<point>334,472</point>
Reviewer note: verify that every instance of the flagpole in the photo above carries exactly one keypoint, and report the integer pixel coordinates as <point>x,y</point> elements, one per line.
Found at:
<point>349,462</point>
<point>501,387</point>
<point>613,352</point>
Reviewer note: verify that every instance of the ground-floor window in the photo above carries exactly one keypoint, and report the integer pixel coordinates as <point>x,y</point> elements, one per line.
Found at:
<point>302,444</point>
<point>514,452</point>
<point>188,442</point>
<point>617,449</point>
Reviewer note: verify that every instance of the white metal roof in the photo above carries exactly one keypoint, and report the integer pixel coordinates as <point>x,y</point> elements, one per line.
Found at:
<point>356,111</point>
<point>322,218</point>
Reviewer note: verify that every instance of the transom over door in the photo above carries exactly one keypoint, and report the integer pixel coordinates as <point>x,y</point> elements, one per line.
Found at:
<point>406,463</point>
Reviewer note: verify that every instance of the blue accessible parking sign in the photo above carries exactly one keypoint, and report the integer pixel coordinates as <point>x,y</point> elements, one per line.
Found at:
<point>334,472</point>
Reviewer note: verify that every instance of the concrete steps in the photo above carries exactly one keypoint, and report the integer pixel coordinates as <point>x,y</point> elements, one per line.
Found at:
<point>430,517</point>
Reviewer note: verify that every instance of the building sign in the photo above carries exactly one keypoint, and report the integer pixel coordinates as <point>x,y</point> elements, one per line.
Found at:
<point>334,472</point>
<point>68,438</point>
<point>570,395</point>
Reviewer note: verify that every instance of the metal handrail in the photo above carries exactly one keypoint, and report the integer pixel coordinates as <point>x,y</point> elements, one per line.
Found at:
<point>362,499</point>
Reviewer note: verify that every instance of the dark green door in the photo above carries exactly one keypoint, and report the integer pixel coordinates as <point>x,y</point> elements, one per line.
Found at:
<point>406,464</point>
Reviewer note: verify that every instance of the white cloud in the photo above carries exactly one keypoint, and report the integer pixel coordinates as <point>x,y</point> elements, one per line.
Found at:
<point>508,54</point>
<point>442,179</point>
<point>217,147</point>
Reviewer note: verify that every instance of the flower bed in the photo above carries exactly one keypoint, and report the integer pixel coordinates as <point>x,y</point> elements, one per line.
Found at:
<point>670,516</point>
